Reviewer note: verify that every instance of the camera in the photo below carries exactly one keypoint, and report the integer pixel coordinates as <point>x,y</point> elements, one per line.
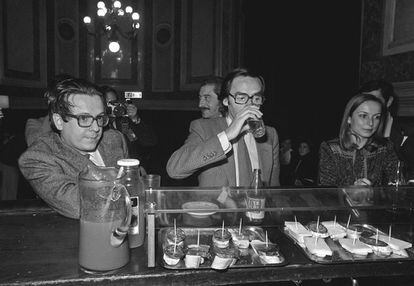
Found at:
<point>117,109</point>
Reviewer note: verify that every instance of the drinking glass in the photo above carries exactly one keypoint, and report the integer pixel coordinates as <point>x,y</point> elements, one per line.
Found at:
<point>151,181</point>
<point>257,127</point>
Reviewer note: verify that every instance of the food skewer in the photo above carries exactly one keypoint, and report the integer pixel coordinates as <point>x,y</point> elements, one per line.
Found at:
<point>334,221</point>
<point>296,223</point>
<point>376,237</point>
<point>198,237</point>
<point>222,229</point>
<point>267,244</point>
<point>349,220</point>
<point>355,236</point>
<point>317,225</point>
<point>240,226</point>
<point>175,228</point>
<point>389,234</point>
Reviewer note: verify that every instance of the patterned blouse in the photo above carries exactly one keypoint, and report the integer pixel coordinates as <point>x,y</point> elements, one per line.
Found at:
<point>339,167</point>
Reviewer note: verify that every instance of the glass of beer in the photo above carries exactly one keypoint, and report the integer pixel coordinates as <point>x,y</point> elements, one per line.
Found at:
<point>257,127</point>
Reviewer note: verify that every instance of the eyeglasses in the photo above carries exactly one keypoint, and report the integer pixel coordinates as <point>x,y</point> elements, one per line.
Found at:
<point>86,120</point>
<point>243,98</point>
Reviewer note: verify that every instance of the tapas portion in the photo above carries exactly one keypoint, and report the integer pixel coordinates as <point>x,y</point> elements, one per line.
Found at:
<point>337,242</point>
<point>219,248</point>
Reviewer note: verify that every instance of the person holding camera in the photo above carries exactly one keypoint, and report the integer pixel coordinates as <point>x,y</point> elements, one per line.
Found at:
<point>124,117</point>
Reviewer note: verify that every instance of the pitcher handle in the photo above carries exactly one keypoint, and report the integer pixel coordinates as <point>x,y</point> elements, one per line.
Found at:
<point>118,235</point>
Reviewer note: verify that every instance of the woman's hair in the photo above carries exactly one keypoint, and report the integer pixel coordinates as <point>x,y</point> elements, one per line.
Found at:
<point>238,72</point>
<point>345,132</point>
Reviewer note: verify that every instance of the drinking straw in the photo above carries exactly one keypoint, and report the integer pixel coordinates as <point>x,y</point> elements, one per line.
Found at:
<point>198,238</point>
<point>355,235</point>
<point>222,230</point>
<point>349,220</point>
<point>334,221</point>
<point>266,240</point>
<point>376,237</point>
<point>296,223</point>
<point>240,226</point>
<point>389,234</point>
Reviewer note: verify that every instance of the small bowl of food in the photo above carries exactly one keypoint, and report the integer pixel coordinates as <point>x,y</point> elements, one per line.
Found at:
<point>173,254</point>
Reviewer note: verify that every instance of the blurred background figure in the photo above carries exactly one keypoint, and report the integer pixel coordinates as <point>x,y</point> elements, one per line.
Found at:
<point>35,127</point>
<point>124,117</point>
<point>305,170</point>
<point>286,159</point>
<point>209,104</point>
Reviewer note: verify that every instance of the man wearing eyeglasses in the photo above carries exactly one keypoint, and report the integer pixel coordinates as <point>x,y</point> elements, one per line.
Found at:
<point>53,162</point>
<point>221,150</point>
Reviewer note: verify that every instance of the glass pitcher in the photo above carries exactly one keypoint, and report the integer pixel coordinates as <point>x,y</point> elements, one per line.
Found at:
<point>105,215</point>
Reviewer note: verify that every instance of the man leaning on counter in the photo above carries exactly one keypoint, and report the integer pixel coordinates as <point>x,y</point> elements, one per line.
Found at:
<point>52,163</point>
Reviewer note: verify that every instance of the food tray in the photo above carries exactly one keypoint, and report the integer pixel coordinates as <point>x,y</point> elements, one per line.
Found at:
<point>247,257</point>
<point>340,255</point>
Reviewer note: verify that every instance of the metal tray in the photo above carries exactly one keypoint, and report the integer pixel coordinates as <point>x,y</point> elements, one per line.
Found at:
<point>340,255</point>
<point>247,258</point>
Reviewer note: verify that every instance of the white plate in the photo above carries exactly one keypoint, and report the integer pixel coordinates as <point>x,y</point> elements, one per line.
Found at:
<point>202,206</point>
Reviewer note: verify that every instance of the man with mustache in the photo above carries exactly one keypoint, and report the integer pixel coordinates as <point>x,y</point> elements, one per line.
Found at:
<point>53,162</point>
<point>209,104</point>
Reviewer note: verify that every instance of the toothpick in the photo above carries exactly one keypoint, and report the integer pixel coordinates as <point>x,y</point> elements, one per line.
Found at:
<point>355,236</point>
<point>175,244</point>
<point>349,220</point>
<point>317,224</point>
<point>296,223</point>
<point>240,226</point>
<point>376,237</point>
<point>222,230</point>
<point>266,240</point>
<point>334,221</point>
<point>175,228</point>
<point>198,238</point>
<point>316,240</point>
<point>389,234</point>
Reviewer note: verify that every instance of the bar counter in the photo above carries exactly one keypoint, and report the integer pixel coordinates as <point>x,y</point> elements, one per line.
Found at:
<point>39,246</point>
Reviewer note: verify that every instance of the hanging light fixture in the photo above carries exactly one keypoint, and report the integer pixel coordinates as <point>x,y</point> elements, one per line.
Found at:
<point>109,16</point>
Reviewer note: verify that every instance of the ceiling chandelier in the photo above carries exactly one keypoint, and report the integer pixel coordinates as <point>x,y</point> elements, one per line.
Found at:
<point>111,18</point>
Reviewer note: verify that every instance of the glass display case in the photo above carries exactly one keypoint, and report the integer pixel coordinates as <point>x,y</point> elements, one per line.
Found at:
<point>241,227</point>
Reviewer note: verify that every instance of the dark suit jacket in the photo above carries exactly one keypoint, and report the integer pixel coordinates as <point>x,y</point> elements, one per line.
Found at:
<point>202,152</point>
<point>52,168</point>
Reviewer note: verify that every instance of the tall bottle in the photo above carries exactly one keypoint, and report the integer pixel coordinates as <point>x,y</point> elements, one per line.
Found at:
<point>133,182</point>
<point>255,199</point>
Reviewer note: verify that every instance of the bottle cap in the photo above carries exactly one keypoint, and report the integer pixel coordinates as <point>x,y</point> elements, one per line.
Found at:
<point>128,162</point>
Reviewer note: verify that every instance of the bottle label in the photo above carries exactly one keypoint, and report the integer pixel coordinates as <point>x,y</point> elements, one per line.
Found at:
<point>255,203</point>
<point>134,226</point>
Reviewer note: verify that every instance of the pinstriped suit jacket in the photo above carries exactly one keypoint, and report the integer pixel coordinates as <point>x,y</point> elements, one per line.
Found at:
<point>202,153</point>
<point>52,168</point>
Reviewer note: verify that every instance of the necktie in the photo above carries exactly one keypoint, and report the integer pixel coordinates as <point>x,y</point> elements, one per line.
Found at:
<point>245,168</point>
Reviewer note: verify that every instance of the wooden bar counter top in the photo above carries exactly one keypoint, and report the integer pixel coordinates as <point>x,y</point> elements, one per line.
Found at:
<point>40,247</point>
